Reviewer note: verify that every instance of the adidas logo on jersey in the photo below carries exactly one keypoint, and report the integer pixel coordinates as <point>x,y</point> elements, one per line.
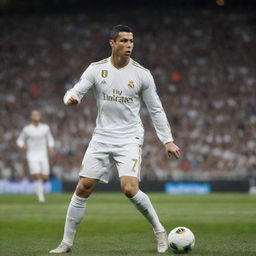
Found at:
<point>103,82</point>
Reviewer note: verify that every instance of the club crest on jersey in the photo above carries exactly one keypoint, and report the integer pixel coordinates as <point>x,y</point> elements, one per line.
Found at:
<point>104,73</point>
<point>131,84</point>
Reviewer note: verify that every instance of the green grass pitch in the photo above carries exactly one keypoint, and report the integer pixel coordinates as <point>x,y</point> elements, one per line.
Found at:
<point>223,224</point>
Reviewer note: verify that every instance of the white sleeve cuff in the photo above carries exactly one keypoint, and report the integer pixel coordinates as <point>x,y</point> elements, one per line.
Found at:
<point>169,139</point>
<point>20,143</point>
<point>66,97</point>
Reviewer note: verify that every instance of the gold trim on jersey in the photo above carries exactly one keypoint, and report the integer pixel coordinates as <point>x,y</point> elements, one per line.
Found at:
<point>136,64</point>
<point>104,73</point>
<point>100,62</point>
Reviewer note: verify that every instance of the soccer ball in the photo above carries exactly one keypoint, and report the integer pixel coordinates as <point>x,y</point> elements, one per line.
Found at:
<point>181,240</point>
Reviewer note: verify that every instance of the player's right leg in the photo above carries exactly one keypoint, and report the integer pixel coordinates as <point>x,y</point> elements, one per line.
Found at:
<point>75,213</point>
<point>95,167</point>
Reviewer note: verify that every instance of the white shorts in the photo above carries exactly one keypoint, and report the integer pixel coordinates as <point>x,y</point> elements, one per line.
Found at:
<point>99,159</point>
<point>39,166</point>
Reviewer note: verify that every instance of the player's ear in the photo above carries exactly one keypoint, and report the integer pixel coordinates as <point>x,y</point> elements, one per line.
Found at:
<point>111,42</point>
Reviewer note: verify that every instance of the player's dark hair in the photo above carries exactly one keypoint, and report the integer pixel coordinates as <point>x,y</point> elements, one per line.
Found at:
<point>119,28</point>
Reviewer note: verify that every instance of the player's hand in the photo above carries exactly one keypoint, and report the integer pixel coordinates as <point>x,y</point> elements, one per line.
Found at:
<point>51,151</point>
<point>172,149</point>
<point>25,147</point>
<point>73,101</point>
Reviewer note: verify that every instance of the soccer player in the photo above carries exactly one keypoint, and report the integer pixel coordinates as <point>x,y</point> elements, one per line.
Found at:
<point>120,85</point>
<point>36,139</point>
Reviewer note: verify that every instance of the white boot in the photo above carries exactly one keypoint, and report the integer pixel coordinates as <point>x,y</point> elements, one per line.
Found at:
<point>62,248</point>
<point>162,241</point>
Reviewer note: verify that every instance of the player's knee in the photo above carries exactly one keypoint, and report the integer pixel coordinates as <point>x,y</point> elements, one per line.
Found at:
<point>130,190</point>
<point>84,189</point>
<point>36,177</point>
<point>45,177</point>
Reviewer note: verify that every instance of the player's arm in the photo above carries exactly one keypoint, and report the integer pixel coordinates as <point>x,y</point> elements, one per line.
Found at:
<point>75,95</point>
<point>50,141</point>
<point>158,116</point>
<point>21,140</point>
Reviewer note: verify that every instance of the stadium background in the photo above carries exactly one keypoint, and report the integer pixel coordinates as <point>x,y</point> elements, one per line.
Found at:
<point>202,56</point>
<point>201,53</point>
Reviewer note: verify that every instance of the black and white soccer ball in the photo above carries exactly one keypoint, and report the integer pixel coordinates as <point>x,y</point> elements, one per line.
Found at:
<point>181,240</point>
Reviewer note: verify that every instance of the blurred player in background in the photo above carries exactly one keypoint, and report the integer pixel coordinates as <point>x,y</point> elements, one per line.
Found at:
<point>36,139</point>
<point>120,85</point>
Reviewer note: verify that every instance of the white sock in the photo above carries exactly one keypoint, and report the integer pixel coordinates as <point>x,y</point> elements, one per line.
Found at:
<point>74,216</point>
<point>39,190</point>
<point>143,204</point>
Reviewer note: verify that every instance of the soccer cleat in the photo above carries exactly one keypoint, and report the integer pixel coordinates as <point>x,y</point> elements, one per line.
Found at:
<point>162,241</point>
<point>62,248</point>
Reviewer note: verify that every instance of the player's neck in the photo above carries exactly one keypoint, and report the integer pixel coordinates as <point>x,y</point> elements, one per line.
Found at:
<point>119,61</point>
<point>35,123</point>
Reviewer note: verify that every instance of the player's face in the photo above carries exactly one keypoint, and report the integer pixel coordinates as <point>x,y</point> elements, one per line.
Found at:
<point>123,44</point>
<point>35,116</point>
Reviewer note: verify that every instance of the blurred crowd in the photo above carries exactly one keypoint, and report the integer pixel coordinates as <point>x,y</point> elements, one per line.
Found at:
<point>203,63</point>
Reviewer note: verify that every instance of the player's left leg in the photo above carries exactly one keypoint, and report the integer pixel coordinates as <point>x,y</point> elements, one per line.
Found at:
<point>35,173</point>
<point>37,178</point>
<point>130,187</point>
<point>128,162</point>
<point>41,176</point>
<point>44,177</point>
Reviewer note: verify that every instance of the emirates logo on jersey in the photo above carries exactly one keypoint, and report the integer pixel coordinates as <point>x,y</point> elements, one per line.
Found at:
<point>131,84</point>
<point>104,73</point>
<point>117,96</point>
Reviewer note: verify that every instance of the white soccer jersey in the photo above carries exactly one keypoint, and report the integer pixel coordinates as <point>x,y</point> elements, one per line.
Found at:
<point>37,138</point>
<point>119,93</point>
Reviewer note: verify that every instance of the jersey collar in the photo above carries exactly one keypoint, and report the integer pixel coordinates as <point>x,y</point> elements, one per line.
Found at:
<point>129,63</point>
